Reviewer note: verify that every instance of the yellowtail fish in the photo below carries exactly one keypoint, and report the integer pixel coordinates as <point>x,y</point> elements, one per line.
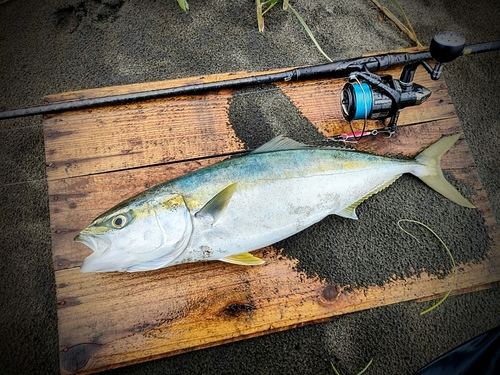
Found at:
<point>224,211</point>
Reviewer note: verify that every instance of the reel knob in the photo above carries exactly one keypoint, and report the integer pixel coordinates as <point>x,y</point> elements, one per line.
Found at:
<point>446,46</point>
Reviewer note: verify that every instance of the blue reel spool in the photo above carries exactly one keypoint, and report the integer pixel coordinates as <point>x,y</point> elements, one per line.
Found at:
<point>363,100</point>
<point>357,101</point>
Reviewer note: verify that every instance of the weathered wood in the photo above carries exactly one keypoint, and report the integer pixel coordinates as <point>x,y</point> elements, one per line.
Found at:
<point>187,127</point>
<point>97,158</point>
<point>114,138</point>
<point>148,315</point>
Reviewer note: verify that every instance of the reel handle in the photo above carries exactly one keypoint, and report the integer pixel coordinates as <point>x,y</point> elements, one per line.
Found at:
<point>445,46</point>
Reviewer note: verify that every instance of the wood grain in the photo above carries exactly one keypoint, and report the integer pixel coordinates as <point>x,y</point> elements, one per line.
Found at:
<point>97,158</point>
<point>159,131</point>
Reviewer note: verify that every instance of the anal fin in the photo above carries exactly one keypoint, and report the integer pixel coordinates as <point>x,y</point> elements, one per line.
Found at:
<point>244,259</point>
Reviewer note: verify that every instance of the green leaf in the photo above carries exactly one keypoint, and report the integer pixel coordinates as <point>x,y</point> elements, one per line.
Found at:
<point>309,32</point>
<point>183,4</point>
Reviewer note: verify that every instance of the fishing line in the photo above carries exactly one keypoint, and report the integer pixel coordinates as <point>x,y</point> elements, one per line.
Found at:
<point>226,155</point>
<point>24,182</point>
<point>453,264</point>
<point>236,94</point>
<point>205,98</point>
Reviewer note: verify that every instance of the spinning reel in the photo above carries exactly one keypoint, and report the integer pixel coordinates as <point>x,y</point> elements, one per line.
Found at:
<point>370,96</point>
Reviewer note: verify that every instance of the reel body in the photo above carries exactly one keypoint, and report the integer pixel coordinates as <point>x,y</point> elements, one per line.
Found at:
<point>364,100</point>
<point>378,97</point>
<point>360,100</point>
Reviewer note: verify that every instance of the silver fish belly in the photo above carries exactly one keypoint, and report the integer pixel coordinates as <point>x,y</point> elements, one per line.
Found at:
<point>227,210</point>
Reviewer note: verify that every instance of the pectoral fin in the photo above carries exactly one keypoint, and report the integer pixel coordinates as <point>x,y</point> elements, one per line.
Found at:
<point>216,206</point>
<point>244,259</point>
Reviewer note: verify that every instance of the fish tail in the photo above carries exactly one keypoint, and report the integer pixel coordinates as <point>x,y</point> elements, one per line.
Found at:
<point>432,174</point>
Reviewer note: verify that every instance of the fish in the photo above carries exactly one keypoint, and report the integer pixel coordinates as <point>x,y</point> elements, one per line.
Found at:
<point>241,204</point>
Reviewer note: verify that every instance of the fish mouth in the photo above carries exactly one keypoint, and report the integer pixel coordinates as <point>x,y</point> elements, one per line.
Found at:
<point>97,244</point>
<point>100,260</point>
<point>96,263</point>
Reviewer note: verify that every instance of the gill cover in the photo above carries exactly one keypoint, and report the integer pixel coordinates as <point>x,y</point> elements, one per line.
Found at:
<point>174,220</point>
<point>146,237</point>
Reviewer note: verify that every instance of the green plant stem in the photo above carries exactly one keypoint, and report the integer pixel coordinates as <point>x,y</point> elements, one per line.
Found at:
<point>260,17</point>
<point>409,32</point>
<point>400,8</point>
<point>359,373</point>
<point>269,4</point>
<point>449,254</point>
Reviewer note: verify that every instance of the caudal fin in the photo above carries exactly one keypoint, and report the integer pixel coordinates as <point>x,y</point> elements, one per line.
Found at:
<point>432,174</point>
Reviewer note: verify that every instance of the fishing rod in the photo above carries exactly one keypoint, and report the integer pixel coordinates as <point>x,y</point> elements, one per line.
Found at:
<point>366,95</point>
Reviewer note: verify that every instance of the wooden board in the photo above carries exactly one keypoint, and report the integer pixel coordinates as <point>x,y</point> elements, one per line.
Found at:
<point>97,158</point>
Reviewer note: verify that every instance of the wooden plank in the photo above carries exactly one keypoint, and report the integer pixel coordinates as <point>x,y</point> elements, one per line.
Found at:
<point>162,313</point>
<point>147,133</point>
<point>110,320</point>
<point>114,319</point>
<point>188,127</point>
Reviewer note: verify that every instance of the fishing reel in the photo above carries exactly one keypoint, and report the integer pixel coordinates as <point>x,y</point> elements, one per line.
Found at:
<point>370,96</point>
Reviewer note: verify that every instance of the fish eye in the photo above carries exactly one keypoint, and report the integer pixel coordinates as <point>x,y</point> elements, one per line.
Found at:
<point>119,221</point>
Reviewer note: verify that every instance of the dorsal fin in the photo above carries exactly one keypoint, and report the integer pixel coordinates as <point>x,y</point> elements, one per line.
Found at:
<point>279,143</point>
